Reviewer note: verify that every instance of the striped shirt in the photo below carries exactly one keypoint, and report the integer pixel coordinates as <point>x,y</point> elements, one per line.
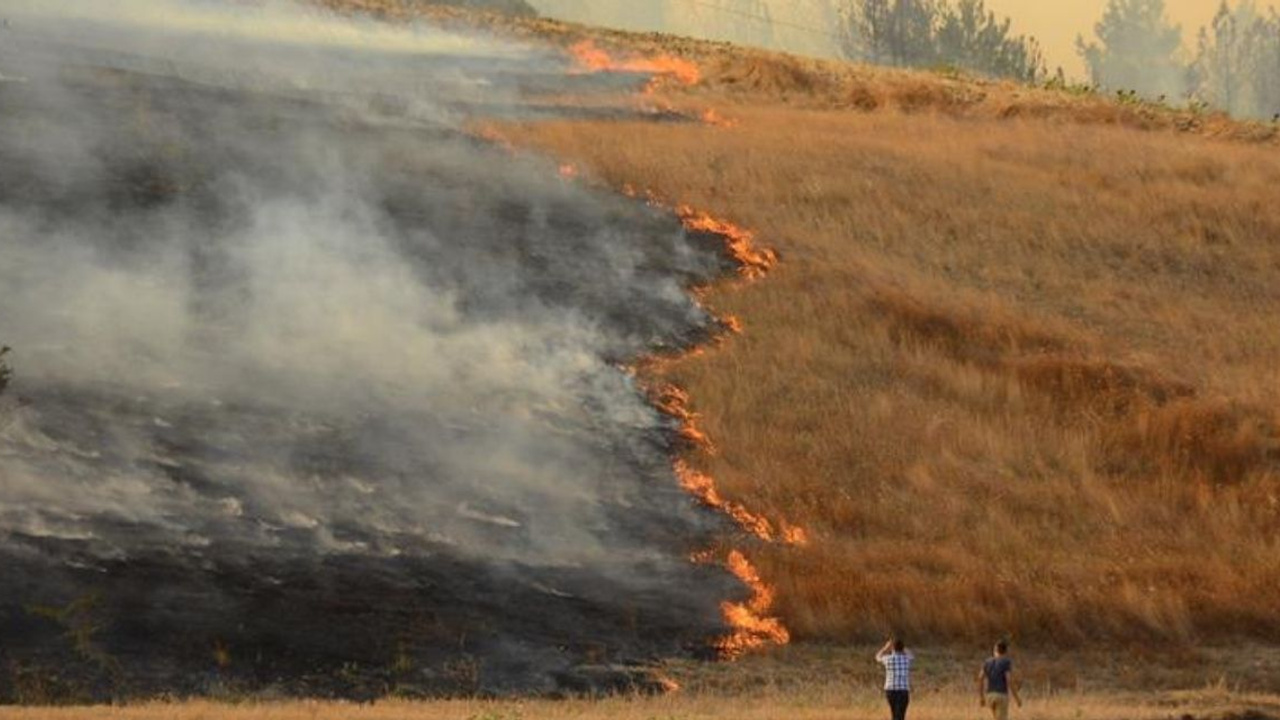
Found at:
<point>897,670</point>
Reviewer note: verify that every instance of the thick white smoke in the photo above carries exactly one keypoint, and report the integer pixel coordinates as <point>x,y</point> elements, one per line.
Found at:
<point>270,306</point>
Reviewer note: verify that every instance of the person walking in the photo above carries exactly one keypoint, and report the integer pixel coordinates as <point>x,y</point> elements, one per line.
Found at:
<point>896,660</point>
<point>996,683</point>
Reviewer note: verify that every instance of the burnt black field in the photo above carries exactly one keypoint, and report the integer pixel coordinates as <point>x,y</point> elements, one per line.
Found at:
<point>314,392</point>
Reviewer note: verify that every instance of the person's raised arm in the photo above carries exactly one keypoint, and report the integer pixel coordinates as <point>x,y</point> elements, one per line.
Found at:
<point>885,649</point>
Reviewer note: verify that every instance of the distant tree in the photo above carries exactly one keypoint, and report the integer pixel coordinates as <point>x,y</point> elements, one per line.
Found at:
<point>1136,49</point>
<point>1237,66</point>
<point>971,37</point>
<point>891,32</point>
<point>929,33</point>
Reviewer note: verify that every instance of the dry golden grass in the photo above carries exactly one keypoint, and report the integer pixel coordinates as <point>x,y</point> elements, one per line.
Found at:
<point>1017,373</point>
<point>1013,375</point>
<point>1018,369</point>
<point>731,73</point>
<point>823,683</point>
<point>825,703</point>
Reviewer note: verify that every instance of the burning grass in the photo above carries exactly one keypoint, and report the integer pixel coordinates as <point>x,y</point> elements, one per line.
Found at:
<point>1018,371</point>
<point>591,58</point>
<point>730,75</point>
<point>1013,376</point>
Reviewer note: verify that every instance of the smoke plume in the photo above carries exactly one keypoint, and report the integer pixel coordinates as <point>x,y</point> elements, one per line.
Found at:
<point>308,380</point>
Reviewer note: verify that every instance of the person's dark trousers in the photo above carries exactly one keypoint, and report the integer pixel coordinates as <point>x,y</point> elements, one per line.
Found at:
<point>898,702</point>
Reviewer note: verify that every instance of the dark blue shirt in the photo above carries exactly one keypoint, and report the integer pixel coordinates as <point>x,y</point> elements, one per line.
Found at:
<point>996,671</point>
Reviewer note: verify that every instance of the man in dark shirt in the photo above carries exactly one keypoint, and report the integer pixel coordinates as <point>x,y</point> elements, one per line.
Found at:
<point>996,683</point>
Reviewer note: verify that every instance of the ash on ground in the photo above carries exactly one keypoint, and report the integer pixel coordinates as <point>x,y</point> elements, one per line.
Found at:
<point>315,394</point>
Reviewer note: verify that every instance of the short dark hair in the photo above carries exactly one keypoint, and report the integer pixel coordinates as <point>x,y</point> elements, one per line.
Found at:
<point>1002,646</point>
<point>898,645</point>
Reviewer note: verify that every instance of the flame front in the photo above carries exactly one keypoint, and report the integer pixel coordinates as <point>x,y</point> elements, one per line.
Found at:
<point>701,486</point>
<point>592,58</point>
<point>753,629</point>
<point>753,262</point>
<point>751,626</point>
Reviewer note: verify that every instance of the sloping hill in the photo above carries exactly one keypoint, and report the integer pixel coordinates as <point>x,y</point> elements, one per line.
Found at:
<point>1016,372</point>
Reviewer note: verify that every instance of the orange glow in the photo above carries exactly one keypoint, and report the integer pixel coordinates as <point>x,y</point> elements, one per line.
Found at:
<point>489,133</point>
<point>673,401</point>
<point>702,487</point>
<point>753,629</point>
<point>715,119</point>
<point>697,438</point>
<point>592,58</point>
<point>793,534</point>
<point>753,262</point>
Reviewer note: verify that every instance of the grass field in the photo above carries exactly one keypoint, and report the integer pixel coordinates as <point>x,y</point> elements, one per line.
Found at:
<point>1016,373</point>
<point>811,682</point>
<point>827,704</point>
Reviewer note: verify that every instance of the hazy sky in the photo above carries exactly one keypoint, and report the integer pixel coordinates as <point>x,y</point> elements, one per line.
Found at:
<point>1056,23</point>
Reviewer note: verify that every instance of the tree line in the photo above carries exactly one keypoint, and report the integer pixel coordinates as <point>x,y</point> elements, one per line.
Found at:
<point>1237,65</point>
<point>1234,66</point>
<point>961,34</point>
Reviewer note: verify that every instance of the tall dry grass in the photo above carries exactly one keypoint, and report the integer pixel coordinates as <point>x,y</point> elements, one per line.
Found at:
<point>1013,375</point>
<point>828,703</point>
<point>821,683</point>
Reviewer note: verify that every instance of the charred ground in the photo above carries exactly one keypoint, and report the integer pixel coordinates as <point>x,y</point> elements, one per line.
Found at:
<point>318,393</point>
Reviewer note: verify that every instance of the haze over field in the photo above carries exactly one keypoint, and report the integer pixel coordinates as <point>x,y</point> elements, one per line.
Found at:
<point>1057,23</point>
<point>805,26</point>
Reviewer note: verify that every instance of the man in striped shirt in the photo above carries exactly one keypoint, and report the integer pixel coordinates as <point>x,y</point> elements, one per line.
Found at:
<point>896,660</point>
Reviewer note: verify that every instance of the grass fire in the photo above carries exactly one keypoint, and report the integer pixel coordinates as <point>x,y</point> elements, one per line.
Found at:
<point>379,358</point>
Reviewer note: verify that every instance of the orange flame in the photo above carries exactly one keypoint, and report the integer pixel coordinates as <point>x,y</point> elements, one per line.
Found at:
<point>701,486</point>
<point>753,262</point>
<point>591,58</point>
<point>673,401</point>
<point>752,628</point>
<point>792,534</point>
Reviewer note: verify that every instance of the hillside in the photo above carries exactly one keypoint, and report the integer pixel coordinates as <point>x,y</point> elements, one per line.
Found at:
<point>511,358</point>
<point>1015,372</point>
